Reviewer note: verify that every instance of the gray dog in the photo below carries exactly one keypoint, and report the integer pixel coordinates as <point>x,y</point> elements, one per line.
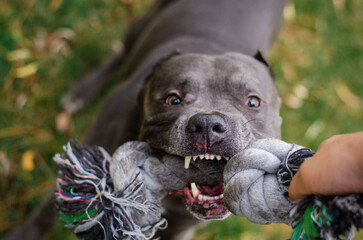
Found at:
<point>198,89</point>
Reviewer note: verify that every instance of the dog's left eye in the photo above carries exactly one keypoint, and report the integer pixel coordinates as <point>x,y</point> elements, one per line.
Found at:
<point>172,99</point>
<point>253,102</point>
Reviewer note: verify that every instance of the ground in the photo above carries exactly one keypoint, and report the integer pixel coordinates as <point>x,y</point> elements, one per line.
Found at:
<point>46,45</point>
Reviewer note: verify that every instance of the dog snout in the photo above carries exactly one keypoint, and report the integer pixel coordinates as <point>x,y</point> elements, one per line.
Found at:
<point>207,129</point>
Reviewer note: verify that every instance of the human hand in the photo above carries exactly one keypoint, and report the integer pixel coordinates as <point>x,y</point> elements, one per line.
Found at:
<point>335,169</point>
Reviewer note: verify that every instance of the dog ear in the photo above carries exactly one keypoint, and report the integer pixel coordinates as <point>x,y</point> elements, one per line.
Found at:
<point>143,86</point>
<point>259,57</point>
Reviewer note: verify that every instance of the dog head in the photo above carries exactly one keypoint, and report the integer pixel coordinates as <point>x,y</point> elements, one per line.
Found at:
<point>204,109</point>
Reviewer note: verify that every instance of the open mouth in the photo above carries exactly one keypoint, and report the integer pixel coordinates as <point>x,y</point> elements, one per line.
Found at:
<point>204,201</point>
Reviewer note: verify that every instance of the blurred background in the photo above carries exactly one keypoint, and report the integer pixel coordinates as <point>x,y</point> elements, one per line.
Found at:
<point>46,45</point>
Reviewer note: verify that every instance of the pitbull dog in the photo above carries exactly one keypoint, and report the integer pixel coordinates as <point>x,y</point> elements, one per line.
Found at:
<point>198,89</point>
<point>207,102</point>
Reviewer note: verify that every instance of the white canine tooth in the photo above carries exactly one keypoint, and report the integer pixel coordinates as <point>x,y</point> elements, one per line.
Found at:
<point>218,157</point>
<point>200,197</point>
<point>227,158</point>
<point>201,156</point>
<point>194,188</point>
<point>221,196</point>
<point>207,156</point>
<point>211,156</point>
<point>194,157</point>
<point>187,161</point>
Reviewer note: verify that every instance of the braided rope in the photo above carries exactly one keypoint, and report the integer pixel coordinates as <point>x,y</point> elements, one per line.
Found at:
<point>253,189</point>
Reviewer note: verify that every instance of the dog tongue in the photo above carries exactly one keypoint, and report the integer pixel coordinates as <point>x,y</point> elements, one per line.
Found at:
<point>212,190</point>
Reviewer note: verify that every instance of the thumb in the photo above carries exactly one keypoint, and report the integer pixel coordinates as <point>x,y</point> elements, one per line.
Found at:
<point>298,188</point>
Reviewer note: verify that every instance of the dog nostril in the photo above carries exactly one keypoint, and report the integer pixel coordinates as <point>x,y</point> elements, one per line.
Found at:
<point>198,129</point>
<point>218,128</point>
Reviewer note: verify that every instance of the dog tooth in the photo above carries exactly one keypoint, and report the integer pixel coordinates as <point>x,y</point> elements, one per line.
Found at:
<point>194,188</point>
<point>207,156</point>
<point>227,158</point>
<point>201,156</point>
<point>221,196</point>
<point>200,197</point>
<point>211,157</point>
<point>194,157</point>
<point>218,157</point>
<point>187,161</point>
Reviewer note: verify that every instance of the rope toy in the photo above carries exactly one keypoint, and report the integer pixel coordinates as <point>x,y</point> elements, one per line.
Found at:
<point>90,204</point>
<point>100,197</point>
<point>257,181</point>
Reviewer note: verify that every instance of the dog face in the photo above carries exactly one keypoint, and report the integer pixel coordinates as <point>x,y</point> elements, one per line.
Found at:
<point>207,109</point>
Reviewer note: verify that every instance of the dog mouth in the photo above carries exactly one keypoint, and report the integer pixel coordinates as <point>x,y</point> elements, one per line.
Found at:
<point>205,202</point>
<point>202,200</point>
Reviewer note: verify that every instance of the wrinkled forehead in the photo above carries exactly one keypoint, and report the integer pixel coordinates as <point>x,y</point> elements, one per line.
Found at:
<point>194,69</point>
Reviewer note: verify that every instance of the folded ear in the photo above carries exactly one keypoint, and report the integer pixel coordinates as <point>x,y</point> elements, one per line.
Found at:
<point>259,57</point>
<point>143,86</point>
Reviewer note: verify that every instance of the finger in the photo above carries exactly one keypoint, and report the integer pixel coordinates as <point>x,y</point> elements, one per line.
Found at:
<point>297,188</point>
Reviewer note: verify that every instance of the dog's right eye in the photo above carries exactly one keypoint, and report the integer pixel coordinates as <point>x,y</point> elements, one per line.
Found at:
<point>172,99</point>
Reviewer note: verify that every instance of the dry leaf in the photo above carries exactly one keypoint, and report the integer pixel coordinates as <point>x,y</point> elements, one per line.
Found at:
<point>55,4</point>
<point>20,101</point>
<point>347,96</point>
<point>314,130</point>
<point>27,161</point>
<point>19,54</point>
<point>26,71</point>
<point>64,122</point>
<point>292,101</point>
<point>289,12</point>
<point>4,164</point>
<point>301,91</point>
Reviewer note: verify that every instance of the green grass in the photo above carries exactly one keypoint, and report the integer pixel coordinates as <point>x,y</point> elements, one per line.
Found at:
<point>46,45</point>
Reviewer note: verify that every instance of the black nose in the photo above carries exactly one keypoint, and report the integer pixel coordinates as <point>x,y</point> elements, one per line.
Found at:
<point>207,129</point>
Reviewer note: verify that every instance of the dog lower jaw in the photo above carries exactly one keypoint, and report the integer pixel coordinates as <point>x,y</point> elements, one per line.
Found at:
<point>205,202</point>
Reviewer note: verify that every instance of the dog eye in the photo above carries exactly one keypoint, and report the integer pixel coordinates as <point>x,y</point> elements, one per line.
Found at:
<point>172,99</point>
<point>253,102</point>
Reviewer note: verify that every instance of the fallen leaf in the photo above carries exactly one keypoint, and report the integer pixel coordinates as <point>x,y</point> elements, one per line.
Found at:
<point>292,101</point>
<point>20,101</point>
<point>27,160</point>
<point>26,71</point>
<point>314,130</point>
<point>289,12</point>
<point>347,96</point>
<point>55,4</point>
<point>301,91</point>
<point>19,54</point>
<point>4,164</point>
<point>64,122</point>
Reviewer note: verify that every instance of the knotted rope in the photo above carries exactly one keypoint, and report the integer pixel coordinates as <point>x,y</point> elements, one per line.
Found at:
<point>257,182</point>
